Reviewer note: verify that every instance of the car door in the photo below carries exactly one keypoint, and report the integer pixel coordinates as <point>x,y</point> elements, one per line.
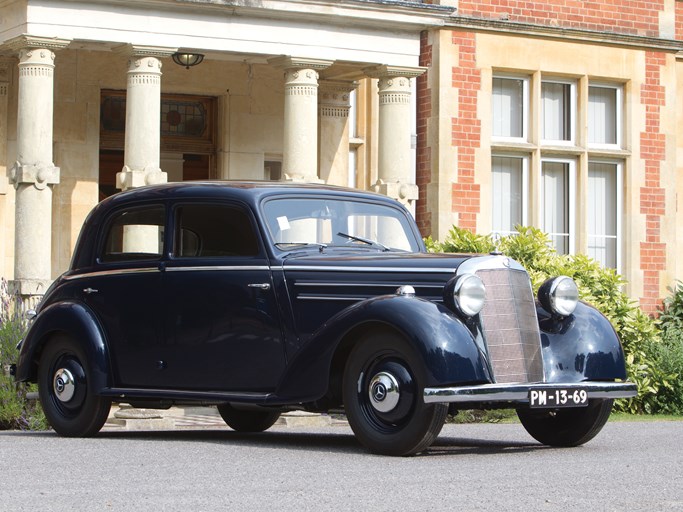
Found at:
<point>222,328</point>
<point>124,290</point>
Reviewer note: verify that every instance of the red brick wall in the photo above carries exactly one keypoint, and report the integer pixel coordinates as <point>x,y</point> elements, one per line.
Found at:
<point>679,21</point>
<point>424,155</point>
<point>634,17</point>
<point>652,200</point>
<point>466,131</point>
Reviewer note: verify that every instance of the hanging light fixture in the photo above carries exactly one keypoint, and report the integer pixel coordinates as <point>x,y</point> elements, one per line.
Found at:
<point>187,59</point>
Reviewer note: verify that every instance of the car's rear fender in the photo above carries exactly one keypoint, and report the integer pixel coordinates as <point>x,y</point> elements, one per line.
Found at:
<point>443,343</point>
<point>72,319</point>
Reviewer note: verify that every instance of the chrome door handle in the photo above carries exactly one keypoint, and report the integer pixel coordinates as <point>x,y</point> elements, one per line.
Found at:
<point>260,286</point>
<point>88,291</point>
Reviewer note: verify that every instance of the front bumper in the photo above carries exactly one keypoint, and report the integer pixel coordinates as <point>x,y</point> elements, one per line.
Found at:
<point>519,393</point>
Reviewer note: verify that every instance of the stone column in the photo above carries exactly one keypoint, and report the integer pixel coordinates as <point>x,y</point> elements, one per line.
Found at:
<point>395,170</point>
<point>143,117</point>
<point>300,147</point>
<point>34,173</point>
<point>334,109</point>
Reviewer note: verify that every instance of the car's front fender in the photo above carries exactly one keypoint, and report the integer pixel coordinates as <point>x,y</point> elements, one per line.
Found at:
<point>444,344</point>
<point>72,319</point>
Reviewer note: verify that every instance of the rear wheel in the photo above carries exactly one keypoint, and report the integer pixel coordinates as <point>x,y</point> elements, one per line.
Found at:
<point>247,420</point>
<point>566,427</point>
<point>65,392</point>
<point>382,391</point>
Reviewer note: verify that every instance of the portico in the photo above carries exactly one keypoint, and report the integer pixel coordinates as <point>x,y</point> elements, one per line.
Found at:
<point>282,75</point>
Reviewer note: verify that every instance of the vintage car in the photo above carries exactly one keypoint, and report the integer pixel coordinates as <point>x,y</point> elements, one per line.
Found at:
<point>264,297</point>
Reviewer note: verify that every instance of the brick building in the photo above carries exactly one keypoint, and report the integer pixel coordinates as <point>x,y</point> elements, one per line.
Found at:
<point>563,115</point>
<point>558,114</point>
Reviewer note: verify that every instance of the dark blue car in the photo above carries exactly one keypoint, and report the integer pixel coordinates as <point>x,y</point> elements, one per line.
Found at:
<point>265,297</point>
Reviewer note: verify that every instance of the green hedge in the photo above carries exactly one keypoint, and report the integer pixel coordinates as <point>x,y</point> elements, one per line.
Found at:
<point>659,385</point>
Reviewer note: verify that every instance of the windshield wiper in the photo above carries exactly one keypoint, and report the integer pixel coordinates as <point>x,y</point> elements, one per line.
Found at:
<point>281,245</point>
<point>371,243</point>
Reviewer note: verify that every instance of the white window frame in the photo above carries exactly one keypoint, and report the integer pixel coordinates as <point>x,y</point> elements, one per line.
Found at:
<point>526,80</point>
<point>573,112</point>
<point>619,106</point>
<point>619,206</point>
<point>571,206</point>
<point>524,187</point>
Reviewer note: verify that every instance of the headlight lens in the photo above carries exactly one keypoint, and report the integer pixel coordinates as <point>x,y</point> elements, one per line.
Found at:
<point>559,295</point>
<point>466,293</point>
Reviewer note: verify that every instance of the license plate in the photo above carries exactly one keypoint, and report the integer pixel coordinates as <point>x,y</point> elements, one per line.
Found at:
<point>558,397</point>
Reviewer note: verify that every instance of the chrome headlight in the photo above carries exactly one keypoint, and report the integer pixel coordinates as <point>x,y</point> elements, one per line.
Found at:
<point>559,295</point>
<point>465,293</point>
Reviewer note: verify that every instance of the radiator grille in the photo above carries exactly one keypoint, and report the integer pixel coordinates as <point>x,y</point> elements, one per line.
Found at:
<point>511,327</point>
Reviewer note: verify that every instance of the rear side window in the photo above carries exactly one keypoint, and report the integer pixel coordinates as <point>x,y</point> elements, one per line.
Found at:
<point>213,231</point>
<point>135,234</point>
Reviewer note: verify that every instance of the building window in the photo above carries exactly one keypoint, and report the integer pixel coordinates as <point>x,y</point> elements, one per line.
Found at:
<point>557,111</point>
<point>604,213</point>
<point>509,185</point>
<point>604,116</point>
<point>557,203</point>
<point>510,107</point>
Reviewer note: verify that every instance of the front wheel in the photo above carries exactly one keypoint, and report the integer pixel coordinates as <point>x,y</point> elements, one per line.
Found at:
<point>65,393</point>
<point>382,392</point>
<point>247,420</point>
<point>566,427</point>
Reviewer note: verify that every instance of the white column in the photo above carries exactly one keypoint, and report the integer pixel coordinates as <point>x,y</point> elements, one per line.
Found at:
<point>334,109</point>
<point>34,173</point>
<point>300,147</point>
<point>395,166</point>
<point>143,118</point>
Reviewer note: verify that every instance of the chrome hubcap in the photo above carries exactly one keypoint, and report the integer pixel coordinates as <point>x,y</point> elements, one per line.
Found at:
<point>384,392</point>
<point>64,385</point>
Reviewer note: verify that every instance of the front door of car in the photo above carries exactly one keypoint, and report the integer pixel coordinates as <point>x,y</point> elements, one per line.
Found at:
<point>221,324</point>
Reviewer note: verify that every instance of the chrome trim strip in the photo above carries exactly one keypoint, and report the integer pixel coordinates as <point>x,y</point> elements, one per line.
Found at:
<point>331,297</point>
<point>221,268</point>
<point>171,394</point>
<point>146,270</point>
<point>418,270</point>
<point>373,285</point>
<point>491,262</point>
<point>520,392</point>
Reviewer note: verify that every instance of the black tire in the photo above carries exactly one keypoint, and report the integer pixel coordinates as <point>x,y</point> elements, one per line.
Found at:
<point>246,420</point>
<point>394,420</point>
<point>566,427</point>
<point>69,404</point>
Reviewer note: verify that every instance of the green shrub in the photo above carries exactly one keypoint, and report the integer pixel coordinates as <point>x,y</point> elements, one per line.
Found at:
<point>16,412</point>
<point>598,286</point>
<point>669,355</point>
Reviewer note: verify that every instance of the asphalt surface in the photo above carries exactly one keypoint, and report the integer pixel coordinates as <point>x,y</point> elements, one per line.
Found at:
<point>630,466</point>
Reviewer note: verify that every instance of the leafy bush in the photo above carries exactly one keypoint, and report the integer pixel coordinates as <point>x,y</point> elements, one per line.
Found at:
<point>598,286</point>
<point>16,412</point>
<point>669,355</point>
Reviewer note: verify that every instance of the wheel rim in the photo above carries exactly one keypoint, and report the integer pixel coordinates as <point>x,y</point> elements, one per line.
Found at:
<point>69,387</point>
<point>386,394</point>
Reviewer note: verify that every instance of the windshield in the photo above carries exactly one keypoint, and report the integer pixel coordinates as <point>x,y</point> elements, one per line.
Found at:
<point>337,222</point>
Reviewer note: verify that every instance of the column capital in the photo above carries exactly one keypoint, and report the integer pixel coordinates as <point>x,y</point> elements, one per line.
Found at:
<point>141,51</point>
<point>26,42</point>
<point>334,97</point>
<point>289,62</point>
<point>386,71</point>
<point>40,175</point>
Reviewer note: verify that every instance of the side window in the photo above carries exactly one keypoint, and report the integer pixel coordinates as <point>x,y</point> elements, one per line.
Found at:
<point>135,234</point>
<point>213,231</point>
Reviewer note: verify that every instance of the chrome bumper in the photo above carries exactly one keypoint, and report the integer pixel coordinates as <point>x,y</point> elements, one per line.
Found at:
<point>486,393</point>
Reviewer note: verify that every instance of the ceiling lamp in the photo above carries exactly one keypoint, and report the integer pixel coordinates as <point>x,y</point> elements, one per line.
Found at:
<point>187,59</point>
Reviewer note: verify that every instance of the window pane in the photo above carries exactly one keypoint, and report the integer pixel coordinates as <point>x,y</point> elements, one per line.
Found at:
<point>602,115</point>
<point>602,213</point>
<point>556,106</point>
<point>135,234</point>
<point>508,193</point>
<point>214,231</point>
<point>556,204</point>
<point>508,107</point>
